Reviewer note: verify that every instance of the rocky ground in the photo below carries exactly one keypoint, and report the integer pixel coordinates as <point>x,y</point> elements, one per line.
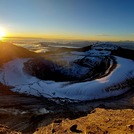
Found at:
<point>115,116</point>
<point>99,121</point>
<point>28,114</point>
<point>7,130</point>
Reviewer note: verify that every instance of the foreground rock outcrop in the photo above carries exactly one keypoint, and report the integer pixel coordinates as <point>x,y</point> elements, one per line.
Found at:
<point>7,130</point>
<point>100,121</point>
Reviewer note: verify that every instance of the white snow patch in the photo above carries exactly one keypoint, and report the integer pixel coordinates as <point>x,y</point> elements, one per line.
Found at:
<point>12,74</point>
<point>105,46</point>
<point>42,111</point>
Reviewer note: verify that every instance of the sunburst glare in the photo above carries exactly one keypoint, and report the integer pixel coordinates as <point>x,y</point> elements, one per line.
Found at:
<point>2,33</point>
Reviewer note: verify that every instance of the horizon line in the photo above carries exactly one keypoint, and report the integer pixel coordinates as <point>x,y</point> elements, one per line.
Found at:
<point>68,39</point>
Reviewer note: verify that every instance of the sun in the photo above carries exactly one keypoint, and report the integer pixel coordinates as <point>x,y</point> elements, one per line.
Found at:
<point>2,33</point>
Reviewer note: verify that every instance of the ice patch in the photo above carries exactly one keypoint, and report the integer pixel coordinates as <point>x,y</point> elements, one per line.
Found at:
<point>12,74</point>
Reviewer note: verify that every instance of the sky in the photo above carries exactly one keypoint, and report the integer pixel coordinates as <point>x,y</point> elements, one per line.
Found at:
<point>68,19</point>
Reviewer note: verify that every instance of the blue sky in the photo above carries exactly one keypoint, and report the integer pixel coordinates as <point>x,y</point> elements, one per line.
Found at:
<point>78,19</point>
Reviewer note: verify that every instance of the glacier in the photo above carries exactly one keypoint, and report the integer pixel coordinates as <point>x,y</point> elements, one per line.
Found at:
<point>13,74</point>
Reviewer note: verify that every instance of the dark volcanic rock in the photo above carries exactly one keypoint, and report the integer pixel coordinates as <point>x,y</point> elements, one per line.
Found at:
<point>48,70</point>
<point>74,129</point>
<point>43,69</point>
<point>77,70</point>
<point>122,52</point>
<point>98,65</point>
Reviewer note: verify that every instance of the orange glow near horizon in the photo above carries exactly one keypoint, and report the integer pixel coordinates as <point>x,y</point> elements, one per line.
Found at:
<point>66,36</point>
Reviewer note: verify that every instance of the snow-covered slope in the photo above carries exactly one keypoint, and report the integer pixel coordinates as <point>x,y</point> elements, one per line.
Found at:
<point>12,74</point>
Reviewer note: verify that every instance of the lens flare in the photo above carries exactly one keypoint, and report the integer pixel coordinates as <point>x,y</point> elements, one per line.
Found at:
<point>2,33</point>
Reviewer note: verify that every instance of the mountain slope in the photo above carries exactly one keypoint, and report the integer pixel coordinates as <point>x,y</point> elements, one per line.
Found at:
<point>9,52</point>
